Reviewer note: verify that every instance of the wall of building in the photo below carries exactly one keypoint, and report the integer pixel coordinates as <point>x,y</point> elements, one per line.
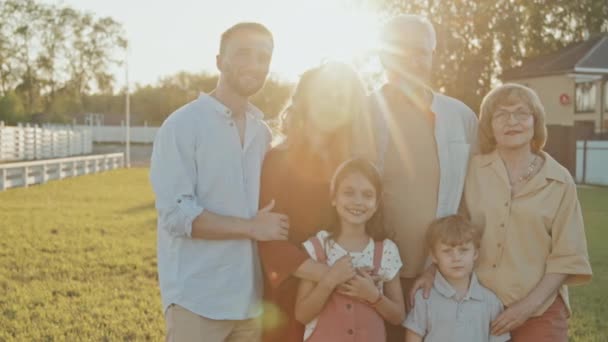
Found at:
<point>550,88</point>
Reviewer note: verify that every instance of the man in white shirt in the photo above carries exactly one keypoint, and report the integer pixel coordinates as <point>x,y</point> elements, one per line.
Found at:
<point>422,143</point>
<point>205,172</point>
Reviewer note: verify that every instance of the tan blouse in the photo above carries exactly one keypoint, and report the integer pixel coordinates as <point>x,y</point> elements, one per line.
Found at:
<point>539,230</point>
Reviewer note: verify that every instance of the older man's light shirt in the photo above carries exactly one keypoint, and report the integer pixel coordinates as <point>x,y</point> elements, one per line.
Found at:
<point>424,165</point>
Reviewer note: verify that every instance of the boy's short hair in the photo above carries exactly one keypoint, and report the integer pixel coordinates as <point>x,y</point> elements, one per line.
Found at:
<point>453,230</point>
<point>244,26</point>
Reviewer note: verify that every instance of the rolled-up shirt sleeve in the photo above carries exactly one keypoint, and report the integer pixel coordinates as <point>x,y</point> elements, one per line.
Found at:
<point>569,245</point>
<point>173,174</point>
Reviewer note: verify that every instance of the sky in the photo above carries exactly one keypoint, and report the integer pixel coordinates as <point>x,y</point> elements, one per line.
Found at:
<point>169,36</point>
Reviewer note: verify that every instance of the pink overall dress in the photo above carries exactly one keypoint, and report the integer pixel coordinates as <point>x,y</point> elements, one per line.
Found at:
<point>344,318</point>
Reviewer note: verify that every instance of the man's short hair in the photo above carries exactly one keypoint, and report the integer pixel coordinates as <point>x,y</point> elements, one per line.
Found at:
<point>244,26</point>
<point>409,24</point>
<point>453,230</point>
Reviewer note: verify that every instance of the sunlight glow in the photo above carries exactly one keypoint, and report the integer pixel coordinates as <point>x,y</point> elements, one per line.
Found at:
<point>333,32</point>
<point>305,32</point>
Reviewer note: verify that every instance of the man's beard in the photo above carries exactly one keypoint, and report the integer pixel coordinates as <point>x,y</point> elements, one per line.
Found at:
<point>241,89</point>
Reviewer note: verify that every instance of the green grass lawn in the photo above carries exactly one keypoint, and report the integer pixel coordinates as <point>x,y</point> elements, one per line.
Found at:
<point>590,302</point>
<point>78,262</point>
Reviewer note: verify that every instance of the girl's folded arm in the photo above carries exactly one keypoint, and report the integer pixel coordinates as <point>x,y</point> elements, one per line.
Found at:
<point>311,299</point>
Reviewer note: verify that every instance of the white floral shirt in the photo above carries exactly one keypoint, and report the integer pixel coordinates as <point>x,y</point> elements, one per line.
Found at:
<point>390,263</point>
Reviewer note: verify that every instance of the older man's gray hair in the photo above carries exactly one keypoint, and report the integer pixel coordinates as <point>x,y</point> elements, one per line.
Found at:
<point>409,24</point>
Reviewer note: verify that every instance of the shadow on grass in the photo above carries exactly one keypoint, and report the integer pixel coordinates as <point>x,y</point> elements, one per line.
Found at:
<point>139,208</point>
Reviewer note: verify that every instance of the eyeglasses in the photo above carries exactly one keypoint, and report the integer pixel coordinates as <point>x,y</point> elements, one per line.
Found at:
<point>503,116</point>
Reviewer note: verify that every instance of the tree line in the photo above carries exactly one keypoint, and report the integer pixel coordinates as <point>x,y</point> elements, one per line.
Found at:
<point>52,56</point>
<point>479,39</point>
<point>55,61</point>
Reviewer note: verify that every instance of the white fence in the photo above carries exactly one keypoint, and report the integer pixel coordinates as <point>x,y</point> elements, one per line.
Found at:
<point>32,142</point>
<point>24,174</point>
<point>107,134</point>
<point>592,162</point>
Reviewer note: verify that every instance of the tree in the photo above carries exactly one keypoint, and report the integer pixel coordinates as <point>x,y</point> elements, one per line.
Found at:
<point>478,39</point>
<point>153,103</point>
<point>48,51</point>
<point>11,109</point>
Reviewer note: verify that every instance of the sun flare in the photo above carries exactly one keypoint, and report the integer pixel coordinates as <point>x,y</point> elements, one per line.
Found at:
<point>333,32</point>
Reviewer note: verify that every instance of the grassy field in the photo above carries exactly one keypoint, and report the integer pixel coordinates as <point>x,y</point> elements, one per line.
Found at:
<point>78,262</point>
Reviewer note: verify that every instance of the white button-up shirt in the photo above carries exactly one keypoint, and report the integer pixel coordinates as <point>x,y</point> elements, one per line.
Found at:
<point>198,163</point>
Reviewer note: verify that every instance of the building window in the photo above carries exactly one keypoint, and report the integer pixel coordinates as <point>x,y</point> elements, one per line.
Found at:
<point>585,97</point>
<point>605,96</point>
<point>603,115</point>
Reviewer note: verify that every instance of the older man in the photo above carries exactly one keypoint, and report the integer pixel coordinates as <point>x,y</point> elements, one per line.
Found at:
<point>423,141</point>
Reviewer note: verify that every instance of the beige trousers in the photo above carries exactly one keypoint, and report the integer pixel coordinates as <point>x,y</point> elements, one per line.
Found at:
<point>185,326</point>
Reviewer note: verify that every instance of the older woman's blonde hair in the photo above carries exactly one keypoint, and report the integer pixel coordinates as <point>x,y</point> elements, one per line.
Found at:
<point>507,95</point>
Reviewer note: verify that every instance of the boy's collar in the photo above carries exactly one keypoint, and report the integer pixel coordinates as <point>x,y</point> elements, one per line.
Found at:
<point>445,288</point>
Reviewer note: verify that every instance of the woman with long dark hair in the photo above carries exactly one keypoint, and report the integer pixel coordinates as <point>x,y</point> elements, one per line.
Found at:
<point>318,126</point>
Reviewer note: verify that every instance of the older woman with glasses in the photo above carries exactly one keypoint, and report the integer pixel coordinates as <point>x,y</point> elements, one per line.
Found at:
<point>534,243</point>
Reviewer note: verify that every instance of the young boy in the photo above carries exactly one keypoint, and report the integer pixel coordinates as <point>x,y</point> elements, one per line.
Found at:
<point>459,308</point>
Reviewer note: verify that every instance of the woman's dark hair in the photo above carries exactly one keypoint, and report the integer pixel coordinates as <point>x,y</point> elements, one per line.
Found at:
<point>374,227</point>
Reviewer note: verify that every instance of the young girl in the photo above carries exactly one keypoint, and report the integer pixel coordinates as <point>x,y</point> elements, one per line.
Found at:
<point>341,307</point>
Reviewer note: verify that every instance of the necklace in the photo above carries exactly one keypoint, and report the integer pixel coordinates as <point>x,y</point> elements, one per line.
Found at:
<point>529,172</point>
